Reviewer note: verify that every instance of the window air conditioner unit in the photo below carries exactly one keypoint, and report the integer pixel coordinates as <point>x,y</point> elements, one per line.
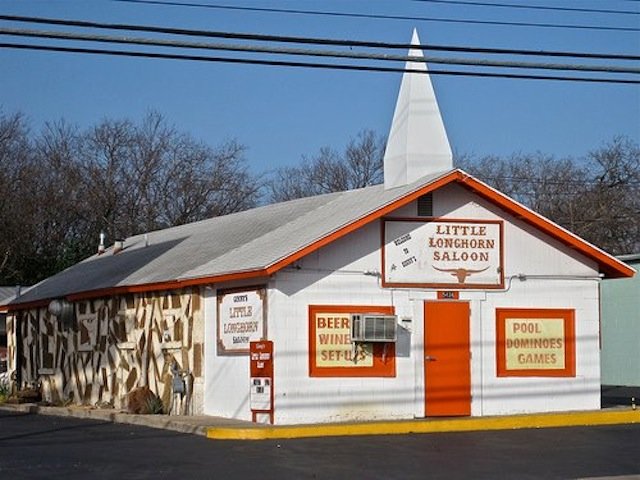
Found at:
<point>367,327</point>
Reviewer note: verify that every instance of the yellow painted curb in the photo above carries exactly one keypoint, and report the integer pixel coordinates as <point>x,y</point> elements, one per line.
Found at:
<point>544,420</point>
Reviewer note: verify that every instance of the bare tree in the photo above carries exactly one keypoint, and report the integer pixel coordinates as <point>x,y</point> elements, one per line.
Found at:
<point>596,198</point>
<point>329,171</point>
<point>207,182</point>
<point>611,207</point>
<point>150,176</point>
<point>59,213</point>
<point>16,169</point>
<point>64,186</point>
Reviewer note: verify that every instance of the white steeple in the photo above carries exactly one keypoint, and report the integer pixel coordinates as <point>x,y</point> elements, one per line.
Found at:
<point>417,143</point>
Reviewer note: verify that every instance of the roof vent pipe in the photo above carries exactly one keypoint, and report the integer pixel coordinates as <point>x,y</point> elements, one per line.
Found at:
<point>101,247</point>
<point>117,246</point>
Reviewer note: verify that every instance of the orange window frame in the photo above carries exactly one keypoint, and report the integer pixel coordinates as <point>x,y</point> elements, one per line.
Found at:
<point>384,354</point>
<point>568,317</point>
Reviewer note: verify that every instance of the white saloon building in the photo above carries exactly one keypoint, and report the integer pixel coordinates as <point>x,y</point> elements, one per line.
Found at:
<point>431,295</point>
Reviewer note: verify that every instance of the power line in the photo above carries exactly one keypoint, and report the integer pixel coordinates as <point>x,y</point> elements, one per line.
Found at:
<point>365,68</point>
<point>551,182</point>
<point>314,53</point>
<point>531,7</point>
<point>380,16</point>
<point>311,40</point>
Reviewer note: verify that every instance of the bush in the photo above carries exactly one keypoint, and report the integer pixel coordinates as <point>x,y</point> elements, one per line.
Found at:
<point>154,406</point>
<point>5,387</point>
<point>143,401</point>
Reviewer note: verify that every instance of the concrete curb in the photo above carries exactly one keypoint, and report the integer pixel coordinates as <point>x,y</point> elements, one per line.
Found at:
<point>548,420</point>
<point>225,429</point>
<point>192,425</point>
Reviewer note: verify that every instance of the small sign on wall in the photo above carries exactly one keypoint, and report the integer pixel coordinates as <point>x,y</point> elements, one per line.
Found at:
<point>448,295</point>
<point>261,378</point>
<point>443,253</point>
<point>241,319</point>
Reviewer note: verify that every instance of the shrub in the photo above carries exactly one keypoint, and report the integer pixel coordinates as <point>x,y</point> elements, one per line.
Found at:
<point>154,406</point>
<point>5,388</point>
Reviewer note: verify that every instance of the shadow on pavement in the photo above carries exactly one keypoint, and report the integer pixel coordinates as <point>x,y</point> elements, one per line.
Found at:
<point>617,396</point>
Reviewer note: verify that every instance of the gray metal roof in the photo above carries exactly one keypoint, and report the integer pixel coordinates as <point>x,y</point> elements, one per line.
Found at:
<point>6,294</point>
<point>630,258</point>
<point>246,241</point>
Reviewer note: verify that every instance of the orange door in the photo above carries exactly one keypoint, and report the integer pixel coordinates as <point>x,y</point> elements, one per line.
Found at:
<point>447,366</point>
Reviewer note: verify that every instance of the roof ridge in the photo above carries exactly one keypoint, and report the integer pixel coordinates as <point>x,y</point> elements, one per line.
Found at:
<point>228,215</point>
<point>297,219</point>
<point>402,191</point>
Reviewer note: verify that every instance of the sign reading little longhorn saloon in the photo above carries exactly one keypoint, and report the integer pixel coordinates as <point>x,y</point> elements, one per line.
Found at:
<point>240,320</point>
<point>464,254</point>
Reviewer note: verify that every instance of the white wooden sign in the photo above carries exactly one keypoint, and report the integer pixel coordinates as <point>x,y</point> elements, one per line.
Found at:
<point>443,253</point>
<point>241,320</point>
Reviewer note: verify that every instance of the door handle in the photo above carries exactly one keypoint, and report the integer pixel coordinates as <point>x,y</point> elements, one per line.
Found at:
<point>429,358</point>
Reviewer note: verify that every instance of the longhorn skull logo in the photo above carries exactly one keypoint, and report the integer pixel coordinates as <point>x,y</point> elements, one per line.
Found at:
<point>460,273</point>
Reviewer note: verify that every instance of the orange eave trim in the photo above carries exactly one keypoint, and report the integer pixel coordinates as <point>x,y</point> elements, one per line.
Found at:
<point>168,285</point>
<point>381,212</point>
<point>147,287</point>
<point>265,272</point>
<point>608,264</point>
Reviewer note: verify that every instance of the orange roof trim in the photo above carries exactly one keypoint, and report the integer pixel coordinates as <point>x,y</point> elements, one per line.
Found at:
<point>608,264</point>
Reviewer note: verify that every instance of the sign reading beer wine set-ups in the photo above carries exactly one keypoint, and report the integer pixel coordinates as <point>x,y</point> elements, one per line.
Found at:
<point>443,253</point>
<point>241,319</point>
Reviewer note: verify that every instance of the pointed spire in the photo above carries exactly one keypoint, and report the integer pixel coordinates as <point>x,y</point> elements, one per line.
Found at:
<point>417,143</point>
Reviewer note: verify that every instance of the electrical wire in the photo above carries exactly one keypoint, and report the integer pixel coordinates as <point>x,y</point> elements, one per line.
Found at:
<point>380,16</point>
<point>531,7</point>
<point>311,40</point>
<point>365,68</point>
<point>549,182</point>
<point>316,53</point>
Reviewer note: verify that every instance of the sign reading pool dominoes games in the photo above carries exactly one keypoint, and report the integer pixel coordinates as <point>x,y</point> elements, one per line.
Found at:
<point>467,254</point>
<point>535,342</point>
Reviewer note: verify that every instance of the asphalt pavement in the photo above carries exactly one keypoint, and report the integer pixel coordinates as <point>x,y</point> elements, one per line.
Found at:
<point>46,446</point>
<point>229,429</point>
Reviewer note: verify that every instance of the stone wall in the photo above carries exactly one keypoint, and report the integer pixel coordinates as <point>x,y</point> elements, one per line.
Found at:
<point>113,346</point>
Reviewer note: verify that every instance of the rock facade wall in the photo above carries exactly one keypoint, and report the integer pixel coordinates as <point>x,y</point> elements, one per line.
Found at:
<point>113,346</point>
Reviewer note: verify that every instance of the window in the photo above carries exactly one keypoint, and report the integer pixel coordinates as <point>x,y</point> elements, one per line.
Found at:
<point>425,205</point>
<point>535,342</point>
<point>331,352</point>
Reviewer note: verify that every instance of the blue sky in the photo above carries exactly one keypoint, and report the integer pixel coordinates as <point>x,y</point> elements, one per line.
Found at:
<point>282,113</point>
